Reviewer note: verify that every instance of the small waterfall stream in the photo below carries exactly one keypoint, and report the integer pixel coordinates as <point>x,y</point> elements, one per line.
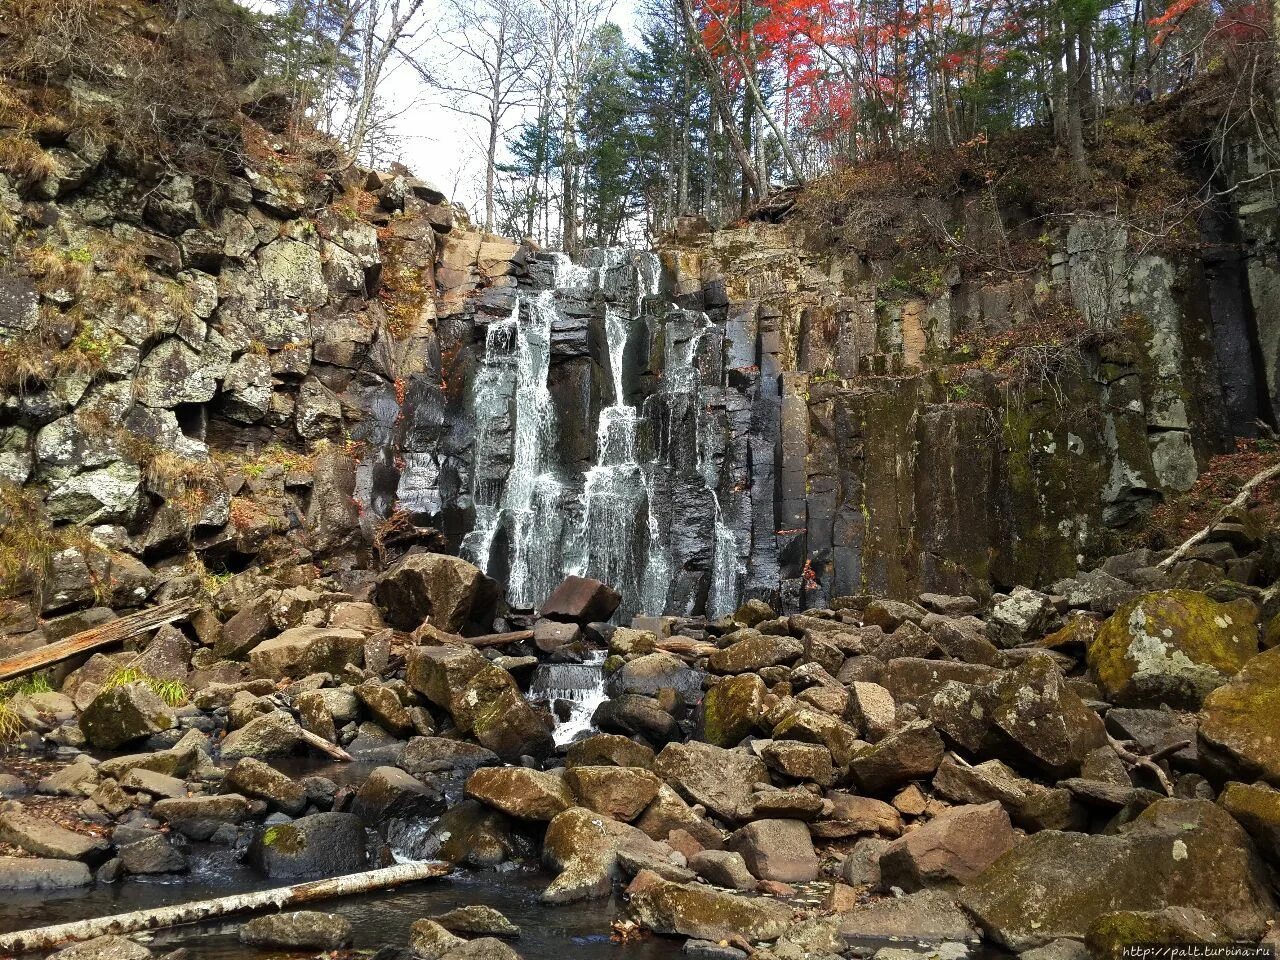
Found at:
<point>535,518</point>
<point>578,686</point>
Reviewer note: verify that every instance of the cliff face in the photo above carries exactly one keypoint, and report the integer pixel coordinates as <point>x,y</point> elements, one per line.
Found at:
<point>197,376</point>
<point>313,367</point>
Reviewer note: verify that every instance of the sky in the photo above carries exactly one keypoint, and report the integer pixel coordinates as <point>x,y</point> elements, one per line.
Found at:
<point>446,147</point>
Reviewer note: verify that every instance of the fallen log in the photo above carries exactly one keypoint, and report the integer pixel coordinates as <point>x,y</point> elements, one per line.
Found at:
<point>159,918</point>
<point>498,639</point>
<point>686,646</point>
<point>1241,499</point>
<point>117,631</point>
<point>324,746</point>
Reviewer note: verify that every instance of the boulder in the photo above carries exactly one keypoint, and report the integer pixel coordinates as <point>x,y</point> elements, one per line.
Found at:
<point>603,749</point>
<point>1256,807</point>
<point>33,873</point>
<point>583,847</point>
<point>1112,935</point>
<point>1186,853</point>
<point>321,845</point>
<point>104,948</point>
<point>1040,719</point>
<point>1172,647</point>
<point>430,941</point>
<point>151,855</point>
<point>723,868</point>
<point>581,600</point>
<point>637,715</point>
<point>668,812</point>
<point>424,755</point>
<point>388,793</point>
<point>719,779</point>
<point>481,920</point>
<point>1030,805</point>
<point>301,651</point>
<point>467,834</point>
<point>814,726</point>
<point>694,911</point>
<point>520,792</point>
<point>549,636</point>
<point>953,847</point>
<point>198,818</point>
<point>861,867</point>
<point>44,838</point>
<point>799,761</point>
<point>1023,615</point>
<point>777,850</point>
<point>448,590</point>
<point>386,707</point>
<point>912,753</point>
<point>1240,718</point>
<point>483,948</point>
<point>618,792</point>
<point>731,709</point>
<point>304,930</point>
<point>440,673</point>
<point>274,734</point>
<point>251,777</point>
<point>754,653</point>
<point>646,675</point>
<point>930,915</point>
<point>851,815</point>
<point>123,714</point>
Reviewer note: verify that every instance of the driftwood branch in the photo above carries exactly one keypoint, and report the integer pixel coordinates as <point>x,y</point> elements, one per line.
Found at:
<point>46,938</point>
<point>498,639</point>
<point>325,747</point>
<point>85,641</point>
<point>1241,498</point>
<point>686,647</point>
<point>1148,762</point>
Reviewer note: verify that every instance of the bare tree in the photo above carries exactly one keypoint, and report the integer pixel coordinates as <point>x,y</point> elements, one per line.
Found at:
<point>382,27</point>
<point>485,50</point>
<point>567,54</point>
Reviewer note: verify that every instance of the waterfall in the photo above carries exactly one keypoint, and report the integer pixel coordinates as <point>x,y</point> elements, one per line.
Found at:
<point>579,686</point>
<point>535,519</point>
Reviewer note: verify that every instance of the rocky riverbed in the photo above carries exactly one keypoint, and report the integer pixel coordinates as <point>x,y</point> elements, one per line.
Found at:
<point>1055,773</point>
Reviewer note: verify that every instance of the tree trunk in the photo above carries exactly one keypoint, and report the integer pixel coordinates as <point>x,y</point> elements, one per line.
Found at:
<point>161,918</point>
<point>720,99</point>
<point>1075,106</point>
<point>490,173</point>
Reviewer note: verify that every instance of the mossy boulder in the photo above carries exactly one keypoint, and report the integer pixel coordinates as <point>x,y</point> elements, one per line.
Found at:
<point>618,792</point>
<point>1186,853</point>
<point>123,714</point>
<point>321,845</point>
<point>1112,933</point>
<point>730,710</point>
<point>1256,807</point>
<point>755,652</point>
<point>1172,646</point>
<point>705,914</point>
<point>1240,718</point>
<point>521,792</point>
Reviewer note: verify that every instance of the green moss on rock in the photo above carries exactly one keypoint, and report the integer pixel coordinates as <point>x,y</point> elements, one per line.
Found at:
<point>1172,646</point>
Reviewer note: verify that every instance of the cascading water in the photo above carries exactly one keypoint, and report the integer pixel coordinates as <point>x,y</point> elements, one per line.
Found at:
<point>579,687</point>
<point>537,519</point>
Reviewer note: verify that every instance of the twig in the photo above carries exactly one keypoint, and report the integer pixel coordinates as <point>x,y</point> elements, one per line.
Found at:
<point>1241,498</point>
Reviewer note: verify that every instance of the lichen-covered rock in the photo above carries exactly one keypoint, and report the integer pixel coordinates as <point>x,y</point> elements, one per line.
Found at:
<point>1173,647</point>
<point>1240,718</point>
<point>478,919</point>
<point>618,792</point>
<point>911,753</point>
<point>754,653</point>
<point>1176,853</point>
<point>274,734</point>
<point>1112,935</point>
<point>719,779</point>
<point>583,847</point>
<point>198,818</point>
<point>1256,807</point>
<point>44,838</point>
<point>251,777</point>
<point>430,941</point>
<point>104,948</point>
<point>731,709</point>
<point>300,651</point>
<point>303,930</point>
<point>520,792</point>
<point>123,714</point>
<point>693,911</point>
<point>448,590</point>
<point>467,834</point>
<point>608,748</point>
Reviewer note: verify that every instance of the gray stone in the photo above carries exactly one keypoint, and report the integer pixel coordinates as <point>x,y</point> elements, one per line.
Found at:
<point>305,930</point>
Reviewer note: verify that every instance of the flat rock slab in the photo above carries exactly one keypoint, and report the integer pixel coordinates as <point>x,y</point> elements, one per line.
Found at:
<point>44,838</point>
<point>23,873</point>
